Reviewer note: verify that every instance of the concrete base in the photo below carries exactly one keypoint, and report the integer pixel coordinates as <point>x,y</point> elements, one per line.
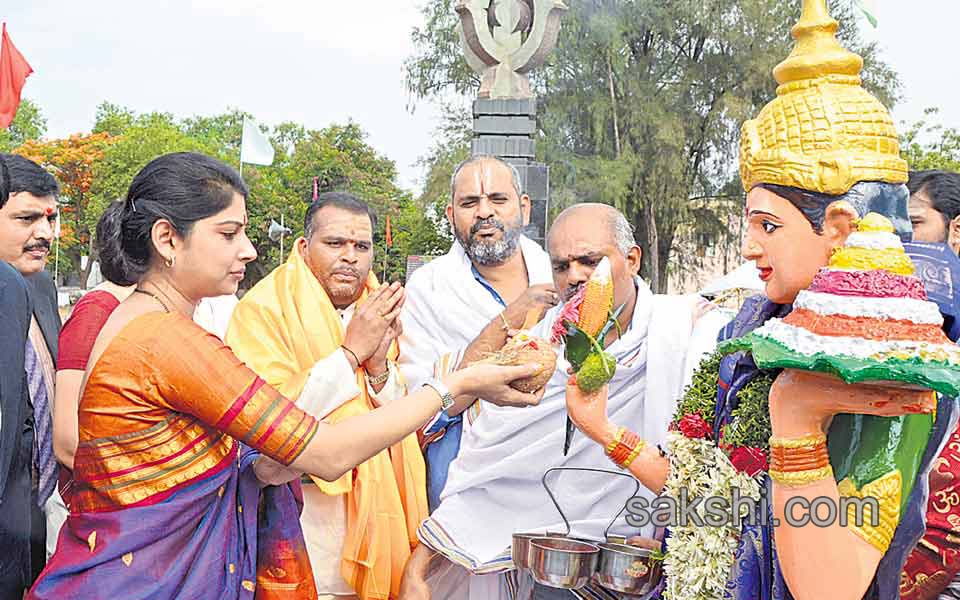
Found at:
<point>535,181</point>
<point>505,128</point>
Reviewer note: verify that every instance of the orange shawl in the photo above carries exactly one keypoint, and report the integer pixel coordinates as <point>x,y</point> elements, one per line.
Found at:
<point>281,328</point>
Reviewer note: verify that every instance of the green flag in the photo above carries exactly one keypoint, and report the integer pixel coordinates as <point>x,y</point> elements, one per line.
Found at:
<point>872,19</point>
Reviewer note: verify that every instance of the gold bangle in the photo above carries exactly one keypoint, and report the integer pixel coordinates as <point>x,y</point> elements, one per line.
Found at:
<point>379,379</point>
<point>506,324</point>
<point>633,455</point>
<point>809,441</point>
<point>617,438</point>
<point>798,478</point>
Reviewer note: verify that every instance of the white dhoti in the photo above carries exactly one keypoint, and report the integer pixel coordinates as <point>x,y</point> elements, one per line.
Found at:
<point>494,487</point>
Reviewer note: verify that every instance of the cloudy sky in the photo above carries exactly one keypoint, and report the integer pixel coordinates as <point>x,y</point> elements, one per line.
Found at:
<point>318,62</point>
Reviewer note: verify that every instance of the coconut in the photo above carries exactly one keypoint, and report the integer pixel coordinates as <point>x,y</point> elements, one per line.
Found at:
<point>523,350</point>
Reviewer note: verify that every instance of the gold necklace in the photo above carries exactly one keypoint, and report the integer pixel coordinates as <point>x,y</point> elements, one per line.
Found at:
<point>154,296</point>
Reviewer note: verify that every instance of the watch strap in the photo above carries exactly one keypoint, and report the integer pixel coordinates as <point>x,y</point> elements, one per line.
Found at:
<point>446,398</point>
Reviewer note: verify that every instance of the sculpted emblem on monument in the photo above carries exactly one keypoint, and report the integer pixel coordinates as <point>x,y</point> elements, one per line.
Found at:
<point>506,39</point>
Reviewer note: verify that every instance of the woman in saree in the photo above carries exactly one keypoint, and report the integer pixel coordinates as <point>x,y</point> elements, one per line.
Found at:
<point>77,337</point>
<point>174,430</point>
<point>820,156</point>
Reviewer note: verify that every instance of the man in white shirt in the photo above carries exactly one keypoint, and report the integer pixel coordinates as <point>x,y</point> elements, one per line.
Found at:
<point>461,305</point>
<point>494,485</point>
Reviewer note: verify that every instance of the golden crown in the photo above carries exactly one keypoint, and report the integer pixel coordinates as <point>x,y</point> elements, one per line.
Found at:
<point>823,132</point>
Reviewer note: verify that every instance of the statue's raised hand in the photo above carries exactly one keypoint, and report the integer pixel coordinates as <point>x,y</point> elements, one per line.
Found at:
<point>803,402</point>
<point>588,411</point>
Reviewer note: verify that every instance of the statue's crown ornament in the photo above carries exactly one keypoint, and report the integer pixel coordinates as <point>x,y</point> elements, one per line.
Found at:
<point>823,132</point>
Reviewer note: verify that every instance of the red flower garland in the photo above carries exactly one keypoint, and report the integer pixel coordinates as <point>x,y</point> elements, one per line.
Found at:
<point>695,426</point>
<point>749,460</point>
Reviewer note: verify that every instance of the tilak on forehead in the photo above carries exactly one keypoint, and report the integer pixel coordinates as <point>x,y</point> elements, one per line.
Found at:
<point>482,177</point>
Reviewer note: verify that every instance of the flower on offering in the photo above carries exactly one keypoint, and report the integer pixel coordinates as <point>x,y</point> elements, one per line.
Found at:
<point>570,313</point>
<point>749,460</point>
<point>582,324</point>
<point>699,559</point>
<point>694,426</point>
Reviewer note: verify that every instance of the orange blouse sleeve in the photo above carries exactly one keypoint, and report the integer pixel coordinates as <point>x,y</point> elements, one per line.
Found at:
<point>195,373</point>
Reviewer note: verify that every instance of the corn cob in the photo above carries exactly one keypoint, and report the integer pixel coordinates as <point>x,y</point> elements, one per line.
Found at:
<point>597,299</point>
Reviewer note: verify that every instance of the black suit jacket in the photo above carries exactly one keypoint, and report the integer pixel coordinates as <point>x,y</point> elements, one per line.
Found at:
<point>43,294</point>
<point>15,311</point>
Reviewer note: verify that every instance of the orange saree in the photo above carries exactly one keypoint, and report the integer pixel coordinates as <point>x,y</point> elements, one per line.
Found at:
<point>170,423</point>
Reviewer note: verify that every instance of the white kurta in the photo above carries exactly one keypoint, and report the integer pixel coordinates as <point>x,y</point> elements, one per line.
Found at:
<point>332,382</point>
<point>213,314</point>
<point>494,487</point>
<point>446,308</point>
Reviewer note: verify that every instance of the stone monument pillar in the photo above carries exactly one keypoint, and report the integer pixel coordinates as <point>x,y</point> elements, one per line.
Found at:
<point>503,41</point>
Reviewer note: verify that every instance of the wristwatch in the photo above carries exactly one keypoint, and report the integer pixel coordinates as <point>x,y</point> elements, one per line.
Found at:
<point>446,398</point>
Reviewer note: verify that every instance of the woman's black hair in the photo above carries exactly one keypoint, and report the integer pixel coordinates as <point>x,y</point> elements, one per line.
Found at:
<point>887,199</point>
<point>182,188</point>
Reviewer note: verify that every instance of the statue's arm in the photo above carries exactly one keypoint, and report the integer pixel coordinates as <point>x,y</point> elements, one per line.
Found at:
<point>832,559</point>
<point>589,413</point>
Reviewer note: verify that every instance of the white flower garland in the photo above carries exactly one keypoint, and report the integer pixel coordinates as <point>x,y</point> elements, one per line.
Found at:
<point>699,559</point>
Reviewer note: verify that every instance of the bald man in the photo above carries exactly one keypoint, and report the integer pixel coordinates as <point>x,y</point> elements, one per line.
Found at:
<point>494,485</point>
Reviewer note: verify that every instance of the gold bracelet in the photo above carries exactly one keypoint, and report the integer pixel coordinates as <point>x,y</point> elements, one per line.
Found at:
<point>799,478</point>
<point>809,441</point>
<point>633,455</point>
<point>506,324</point>
<point>379,379</point>
<point>617,438</point>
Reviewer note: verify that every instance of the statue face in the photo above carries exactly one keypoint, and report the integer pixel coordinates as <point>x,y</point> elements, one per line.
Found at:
<point>784,245</point>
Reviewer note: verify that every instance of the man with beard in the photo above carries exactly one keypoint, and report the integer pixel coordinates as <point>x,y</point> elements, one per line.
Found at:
<point>494,487</point>
<point>27,221</point>
<point>321,326</point>
<point>462,305</point>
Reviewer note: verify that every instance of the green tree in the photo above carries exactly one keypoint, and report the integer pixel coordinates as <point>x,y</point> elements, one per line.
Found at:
<point>28,124</point>
<point>73,161</point>
<point>97,169</point>
<point>113,119</point>
<point>929,145</point>
<point>642,104</point>
<point>342,160</point>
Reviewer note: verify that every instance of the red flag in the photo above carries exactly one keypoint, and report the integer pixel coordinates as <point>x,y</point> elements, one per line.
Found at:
<point>13,73</point>
<point>389,234</point>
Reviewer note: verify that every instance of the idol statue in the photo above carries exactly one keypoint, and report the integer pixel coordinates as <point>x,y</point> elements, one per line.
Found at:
<point>831,393</point>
